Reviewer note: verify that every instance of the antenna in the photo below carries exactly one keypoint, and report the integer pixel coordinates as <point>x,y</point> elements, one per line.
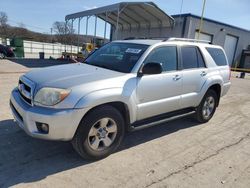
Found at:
<point>201,20</point>
<point>181,10</point>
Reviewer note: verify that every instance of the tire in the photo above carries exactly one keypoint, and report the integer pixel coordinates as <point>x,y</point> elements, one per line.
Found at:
<point>92,140</point>
<point>2,56</point>
<point>207,107</point>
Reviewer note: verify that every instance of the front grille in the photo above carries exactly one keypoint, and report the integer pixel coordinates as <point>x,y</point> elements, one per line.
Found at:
<point>27,88</point>
<point>25,91</point>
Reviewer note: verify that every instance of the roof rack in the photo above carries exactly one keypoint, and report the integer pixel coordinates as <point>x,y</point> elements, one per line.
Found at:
<point>149,38</point>
<point>188,40</point>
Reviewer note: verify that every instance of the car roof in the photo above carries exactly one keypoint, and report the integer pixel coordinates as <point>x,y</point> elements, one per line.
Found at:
<point>151,42</point>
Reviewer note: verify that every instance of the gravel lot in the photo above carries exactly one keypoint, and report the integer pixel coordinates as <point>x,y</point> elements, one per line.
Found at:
<point>181,153</point>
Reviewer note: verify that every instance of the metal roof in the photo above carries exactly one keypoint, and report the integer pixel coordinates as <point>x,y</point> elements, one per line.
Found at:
<point>129,15</point>
<point>209,20</point>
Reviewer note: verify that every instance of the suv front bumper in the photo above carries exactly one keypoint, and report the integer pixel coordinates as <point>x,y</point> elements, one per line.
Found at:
<point>62,122</point>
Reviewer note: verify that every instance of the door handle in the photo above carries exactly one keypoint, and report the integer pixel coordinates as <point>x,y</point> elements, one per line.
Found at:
<point>203,73</point>
<point>176,77</point>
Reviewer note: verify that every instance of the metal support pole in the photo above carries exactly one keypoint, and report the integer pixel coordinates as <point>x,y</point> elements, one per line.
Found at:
<point>117,24</point>
<point>95,30</point>
<point>71,33</point>
<point>87,24</point>
<point>105,26</point>
<point>66,25</point>
<point>51,34</point>
<point>79,27</point>
<point>201,21</point>
<point>180,12</point>
<point>149,26</point>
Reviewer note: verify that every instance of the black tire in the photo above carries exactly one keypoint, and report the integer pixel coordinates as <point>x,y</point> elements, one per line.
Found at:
<point>2,55</point>
<point>81,142</point>
<point>200,117</point>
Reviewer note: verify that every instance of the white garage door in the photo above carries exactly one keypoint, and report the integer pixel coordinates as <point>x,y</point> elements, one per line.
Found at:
<point>204,36</point>
<point>230,47</point>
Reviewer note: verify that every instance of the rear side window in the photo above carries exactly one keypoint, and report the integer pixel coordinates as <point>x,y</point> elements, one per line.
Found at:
<point>191,57</point>
<point>218,56</point>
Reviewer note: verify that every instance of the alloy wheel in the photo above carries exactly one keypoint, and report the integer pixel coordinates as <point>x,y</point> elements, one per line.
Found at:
<point>102,134</point>
<point>208,107</point>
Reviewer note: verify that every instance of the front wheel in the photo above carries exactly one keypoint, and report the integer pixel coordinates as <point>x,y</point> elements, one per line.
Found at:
<point>99,133</point>
<point>207,107</point>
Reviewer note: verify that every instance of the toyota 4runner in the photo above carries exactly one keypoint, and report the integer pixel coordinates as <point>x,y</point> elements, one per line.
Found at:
<point>124,85</point>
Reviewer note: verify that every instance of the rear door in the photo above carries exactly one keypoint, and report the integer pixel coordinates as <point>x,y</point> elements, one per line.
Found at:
<point>220,60</point>
<point>194,75</point>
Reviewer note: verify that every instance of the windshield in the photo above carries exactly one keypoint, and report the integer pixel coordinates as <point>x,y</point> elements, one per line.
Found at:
<point>116,56</point>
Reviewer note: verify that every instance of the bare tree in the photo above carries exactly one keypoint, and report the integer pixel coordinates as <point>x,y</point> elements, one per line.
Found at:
<point>3,24</point>
<point>3,19</point>
<point>64,32</point>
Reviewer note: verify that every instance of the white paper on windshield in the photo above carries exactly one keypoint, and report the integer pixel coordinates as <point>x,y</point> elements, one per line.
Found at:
<point>133,50</point>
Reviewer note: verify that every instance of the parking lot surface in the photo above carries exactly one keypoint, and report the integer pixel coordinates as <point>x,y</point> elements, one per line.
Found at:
<point>181,153</point>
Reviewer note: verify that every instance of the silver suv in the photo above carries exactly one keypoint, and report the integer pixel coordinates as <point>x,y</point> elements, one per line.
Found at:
<point>124,85</point>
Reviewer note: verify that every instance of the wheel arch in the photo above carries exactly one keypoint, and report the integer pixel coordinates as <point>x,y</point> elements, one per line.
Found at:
<point>119,105</point>
<point>217,88</point>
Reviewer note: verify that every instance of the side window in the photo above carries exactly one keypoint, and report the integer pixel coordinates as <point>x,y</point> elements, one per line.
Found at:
<point>166,55</point>
<point>218,56</point>
<point>191,57</point>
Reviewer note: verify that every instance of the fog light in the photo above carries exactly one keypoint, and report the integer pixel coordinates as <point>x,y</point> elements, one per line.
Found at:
<point>42,127</point>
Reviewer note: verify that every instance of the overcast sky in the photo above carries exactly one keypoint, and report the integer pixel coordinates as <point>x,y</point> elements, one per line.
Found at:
<point>40,15</point>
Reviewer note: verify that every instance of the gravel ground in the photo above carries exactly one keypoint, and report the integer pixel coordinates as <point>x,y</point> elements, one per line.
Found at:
<point>181,153</point>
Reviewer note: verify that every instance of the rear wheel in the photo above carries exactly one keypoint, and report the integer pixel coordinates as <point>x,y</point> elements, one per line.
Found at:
<point>99,133</point>
<point>207,107</point>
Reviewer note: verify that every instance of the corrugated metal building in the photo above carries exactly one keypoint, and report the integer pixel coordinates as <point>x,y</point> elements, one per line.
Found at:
<point>146,19</point>
<point>127,19</point>
<point>233,39</point>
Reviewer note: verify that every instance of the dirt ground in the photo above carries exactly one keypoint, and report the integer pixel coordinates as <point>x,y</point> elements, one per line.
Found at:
<point>181,153</point>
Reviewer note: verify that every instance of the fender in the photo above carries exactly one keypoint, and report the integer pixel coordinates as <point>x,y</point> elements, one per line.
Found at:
<point>215,79</point>
<point>104,96</point>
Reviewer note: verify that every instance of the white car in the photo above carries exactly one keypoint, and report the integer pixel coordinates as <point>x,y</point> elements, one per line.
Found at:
<point>124,85</point>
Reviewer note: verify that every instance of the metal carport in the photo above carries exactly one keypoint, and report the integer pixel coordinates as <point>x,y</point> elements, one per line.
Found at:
<point>128,19</point>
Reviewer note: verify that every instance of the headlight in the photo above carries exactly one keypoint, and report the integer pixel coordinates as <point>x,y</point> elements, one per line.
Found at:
<point>50,96</point>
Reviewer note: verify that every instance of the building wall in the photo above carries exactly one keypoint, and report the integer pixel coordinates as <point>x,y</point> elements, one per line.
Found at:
<point>186,26</point>
<point>5,41</point>
<point>32,49</point>
<point>219,32</point>
<point>164,32</point>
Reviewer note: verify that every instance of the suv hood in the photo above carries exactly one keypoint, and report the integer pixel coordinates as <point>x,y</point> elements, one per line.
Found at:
<point>68,76</point>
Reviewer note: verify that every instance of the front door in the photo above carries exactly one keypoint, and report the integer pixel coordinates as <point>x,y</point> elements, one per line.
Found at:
<point>158,94</point>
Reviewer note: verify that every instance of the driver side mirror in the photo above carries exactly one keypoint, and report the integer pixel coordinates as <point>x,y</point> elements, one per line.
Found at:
<point>150,68</point>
